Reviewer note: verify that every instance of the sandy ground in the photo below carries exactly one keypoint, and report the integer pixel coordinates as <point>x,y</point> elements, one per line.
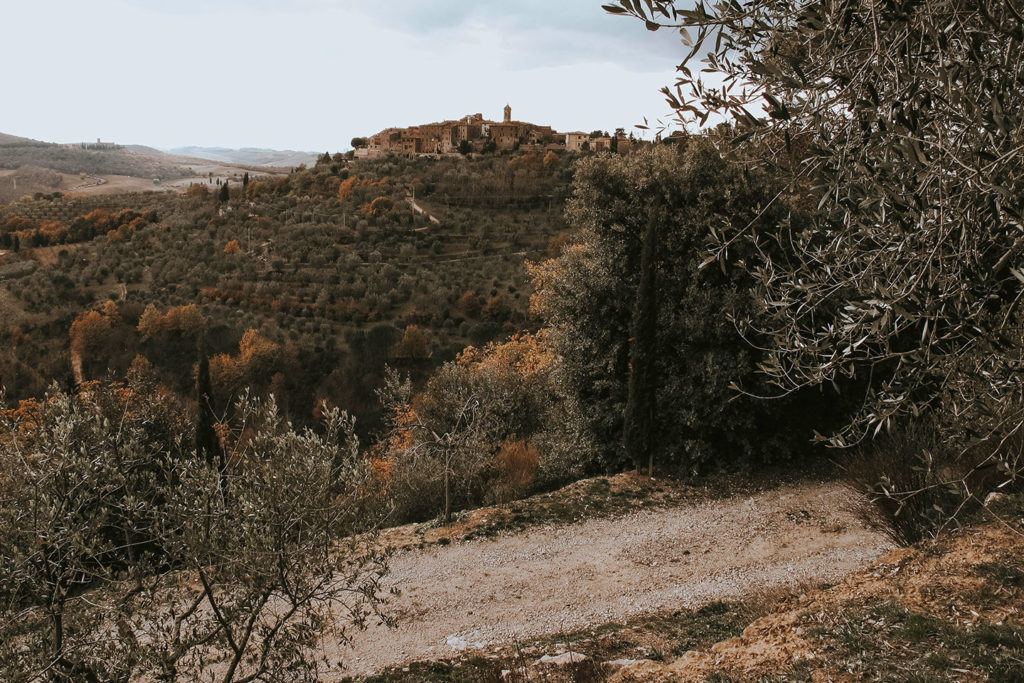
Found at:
<point>555,579</point>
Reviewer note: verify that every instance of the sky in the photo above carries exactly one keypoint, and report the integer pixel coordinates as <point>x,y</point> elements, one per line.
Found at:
<point>312,74</point>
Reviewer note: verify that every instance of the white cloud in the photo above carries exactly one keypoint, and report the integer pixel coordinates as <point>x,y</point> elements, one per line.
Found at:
<point>541,32</point>
<point>311,74</point>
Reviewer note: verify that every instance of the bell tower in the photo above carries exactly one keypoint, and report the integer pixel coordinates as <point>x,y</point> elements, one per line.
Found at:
<point>508,114</point>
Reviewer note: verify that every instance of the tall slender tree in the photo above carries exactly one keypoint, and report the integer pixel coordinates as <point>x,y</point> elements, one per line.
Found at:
<point>207,443</point>
<point>640,415</point>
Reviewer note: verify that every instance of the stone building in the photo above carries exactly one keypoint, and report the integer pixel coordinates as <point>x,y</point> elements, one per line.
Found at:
<point>446,137</point>
<point>574,141</point>
<point>506,135</point>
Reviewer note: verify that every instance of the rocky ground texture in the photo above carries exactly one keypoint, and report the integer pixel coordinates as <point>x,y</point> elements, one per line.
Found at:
<point>478,589</point>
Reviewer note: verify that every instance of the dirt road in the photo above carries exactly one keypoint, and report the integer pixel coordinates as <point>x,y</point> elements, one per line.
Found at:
<point>419,209</point>
<point>554,579</point>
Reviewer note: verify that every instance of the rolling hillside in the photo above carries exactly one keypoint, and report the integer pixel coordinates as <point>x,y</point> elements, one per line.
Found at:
<point>331,264</point>
<point>6,139</point>
<point>29,167</point>
<point>248,156</point>
<point>88,159</point>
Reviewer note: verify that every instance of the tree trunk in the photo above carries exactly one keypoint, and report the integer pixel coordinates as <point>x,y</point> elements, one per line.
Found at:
<point>640,402</point>
<point>447,495</point>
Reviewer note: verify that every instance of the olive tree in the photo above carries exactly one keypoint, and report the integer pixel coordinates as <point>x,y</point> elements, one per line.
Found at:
<point>268,560</point>
<point>126,555</point>
<point>80,476</point>
<point>900,124</point>
<point>436,457</point>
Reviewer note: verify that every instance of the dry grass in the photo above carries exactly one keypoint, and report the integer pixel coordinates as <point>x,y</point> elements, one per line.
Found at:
<point>517,464</point>
<point>947,610</point>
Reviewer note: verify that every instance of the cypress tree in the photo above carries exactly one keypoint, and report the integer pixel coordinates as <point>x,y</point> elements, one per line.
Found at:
<point>225,193</point>
<point>640,402</point>
<point>207,443</point>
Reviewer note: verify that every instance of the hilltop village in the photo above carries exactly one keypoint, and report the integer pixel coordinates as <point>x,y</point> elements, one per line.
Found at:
<point>474,133</point>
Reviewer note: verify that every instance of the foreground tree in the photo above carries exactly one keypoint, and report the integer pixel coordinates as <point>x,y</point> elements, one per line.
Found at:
<point>901,123</point>
<point>79,477</point>
<point>640,416</point>
<point>434,459</point>
<point>271,567</point>
<point>125,556</point>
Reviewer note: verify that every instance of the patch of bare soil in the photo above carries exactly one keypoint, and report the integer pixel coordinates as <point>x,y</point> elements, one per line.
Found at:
<point>48,256</point>
<point>27,180</point>
<point>562,575</point>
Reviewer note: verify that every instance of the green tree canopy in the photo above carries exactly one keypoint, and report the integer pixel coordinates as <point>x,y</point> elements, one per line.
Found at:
<point>901,123</point>
<point>587,298</point>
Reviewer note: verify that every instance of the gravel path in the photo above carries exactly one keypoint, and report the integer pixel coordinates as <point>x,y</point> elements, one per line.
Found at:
<point>554,579</point>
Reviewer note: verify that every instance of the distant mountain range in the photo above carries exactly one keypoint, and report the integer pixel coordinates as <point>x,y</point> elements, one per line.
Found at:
<point>247,156</point>
<point>15,148</point>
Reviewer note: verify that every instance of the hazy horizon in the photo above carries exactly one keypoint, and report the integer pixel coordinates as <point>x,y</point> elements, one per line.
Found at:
<point>310,75</point>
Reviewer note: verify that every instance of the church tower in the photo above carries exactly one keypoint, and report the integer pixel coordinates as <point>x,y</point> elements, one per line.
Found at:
<point>508,114</point>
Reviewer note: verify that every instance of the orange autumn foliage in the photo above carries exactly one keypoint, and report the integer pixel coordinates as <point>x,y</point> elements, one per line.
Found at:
<point>381,470</point>
<point>187,320</point>
<point>90,333</point>
<point>110,310</point>
<point>528,355</point>
<point>517,463</point>
<point>414,344</point>
<point>376,208</point>
<point>51,232</point>
<point>354,187</point>
<point>226,375</point>
<point>99,218</point>
<point>256,363</point>
<point>469,303</point>
<point>25,416</point>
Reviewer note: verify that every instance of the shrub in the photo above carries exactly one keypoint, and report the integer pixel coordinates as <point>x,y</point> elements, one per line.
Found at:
<point>490,426</point>
<point>915,483</point>
<point>517,466</point>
